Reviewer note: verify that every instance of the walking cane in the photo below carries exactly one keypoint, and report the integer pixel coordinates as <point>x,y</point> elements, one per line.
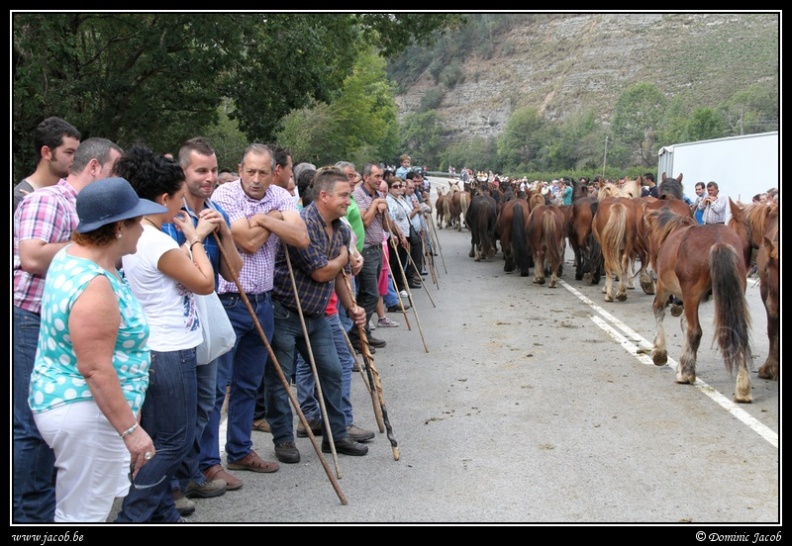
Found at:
<point>318,383</point>
<point>373,374</point>
<point>407,286</point>
<point>439,248</point>
<point>279,370</point>
<point>429,258</point>
<point>396,285</point>
<point>377,410</point>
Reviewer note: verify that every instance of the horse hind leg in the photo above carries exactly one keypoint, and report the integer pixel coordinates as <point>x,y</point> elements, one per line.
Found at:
<point>686,369</point>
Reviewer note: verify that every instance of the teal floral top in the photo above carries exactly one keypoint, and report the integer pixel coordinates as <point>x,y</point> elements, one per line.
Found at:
<point>56,380</point>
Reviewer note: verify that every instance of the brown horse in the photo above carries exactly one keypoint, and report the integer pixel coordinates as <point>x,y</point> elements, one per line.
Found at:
<point>757,226</point>
<point>480,219</point>
<point>693,263</point>
<point>546,235</point>
<point>588,254</point>
<point>510,228</point>
<point>615,229</point>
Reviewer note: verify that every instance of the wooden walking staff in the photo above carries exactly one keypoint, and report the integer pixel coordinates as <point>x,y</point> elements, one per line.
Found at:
<point>429,260</point>
<point>373,374</point>
<point>318,383</point>
<point>422,283</point>
<point>372,393</point>
<point>396,285</point>
<point>281,376</point>
<point>437,240</point>
<point>407,284</point>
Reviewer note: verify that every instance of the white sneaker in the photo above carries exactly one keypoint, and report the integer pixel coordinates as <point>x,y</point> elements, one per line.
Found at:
<point>372,324</point>
<point>403,294</point>
<point>385,322</point>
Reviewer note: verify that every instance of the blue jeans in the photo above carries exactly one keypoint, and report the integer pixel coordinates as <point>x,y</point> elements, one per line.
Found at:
<point>242,367</point>
<point>288,336</point>
<point>206,379</point>
<point>391,298</point>
<point>306,383</point>
<point>34,461</point>
<point>168,415</point>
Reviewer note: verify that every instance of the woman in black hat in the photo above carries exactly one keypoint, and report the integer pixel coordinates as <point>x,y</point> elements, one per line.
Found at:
<point>91,370</point>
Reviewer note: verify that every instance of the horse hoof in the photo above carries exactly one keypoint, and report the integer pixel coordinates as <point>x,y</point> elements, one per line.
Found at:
<point>648,288</point>
<point>768,372</point>
<point>660,358</point>
<point>684,379</point>
<point>743,399</point>
<point>676,310</point>
<point>608,298</point>
<point>621,297</point>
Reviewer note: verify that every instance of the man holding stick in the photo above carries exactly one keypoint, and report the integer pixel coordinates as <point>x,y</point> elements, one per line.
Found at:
<point>304,282</point>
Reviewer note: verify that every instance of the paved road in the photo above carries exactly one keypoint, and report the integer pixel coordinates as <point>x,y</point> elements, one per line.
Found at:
<point>516,403</point>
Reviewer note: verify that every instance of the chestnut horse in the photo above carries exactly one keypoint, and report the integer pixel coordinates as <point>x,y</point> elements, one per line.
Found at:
<point>614,228</point>
<point>510,228</point>
<point>588,254</point>
<point>757,226</point>
<point>546,235</point>
<point>693,263</point>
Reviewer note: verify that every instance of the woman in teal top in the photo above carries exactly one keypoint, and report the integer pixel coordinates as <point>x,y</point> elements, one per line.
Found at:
<point>91,370</point>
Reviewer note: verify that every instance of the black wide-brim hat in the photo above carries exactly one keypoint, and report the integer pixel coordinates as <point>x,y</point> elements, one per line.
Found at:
<point>111,200</point>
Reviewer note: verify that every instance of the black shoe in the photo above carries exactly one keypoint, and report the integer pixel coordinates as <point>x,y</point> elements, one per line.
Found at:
<point>287,452</point>
<point>347,446</point>
<point>415,284</point>
<point>374,342</point>
<point>397,309</point>
<point>359,351</point>
<point>316,428</point>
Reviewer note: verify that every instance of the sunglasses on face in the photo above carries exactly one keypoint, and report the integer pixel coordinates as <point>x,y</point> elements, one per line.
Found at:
<point>396,186</point>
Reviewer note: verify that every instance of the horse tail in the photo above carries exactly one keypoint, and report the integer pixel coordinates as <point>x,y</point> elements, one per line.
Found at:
<point>732,318</point>
<point>612,238</point>
<point>519,241</point>
<point>552,238</point>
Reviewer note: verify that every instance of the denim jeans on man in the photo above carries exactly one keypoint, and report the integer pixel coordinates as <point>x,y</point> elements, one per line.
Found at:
<point>34,461</point>
<point>306,382</point>
<point>288,336</point>
<point>242,367</point>
<point>206,379</point>
<point>168,416</point>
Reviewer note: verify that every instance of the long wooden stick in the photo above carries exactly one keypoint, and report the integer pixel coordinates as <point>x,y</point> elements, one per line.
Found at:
<point>396,285</point>
<point>373,375</point>
<point>429,257</point>
<point>437,240</point>
<point>312,361</point>
<point>369,388</point>
<point>281,376</point>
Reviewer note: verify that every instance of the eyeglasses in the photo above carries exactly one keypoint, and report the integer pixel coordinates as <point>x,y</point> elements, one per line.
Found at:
<point>396,186</point>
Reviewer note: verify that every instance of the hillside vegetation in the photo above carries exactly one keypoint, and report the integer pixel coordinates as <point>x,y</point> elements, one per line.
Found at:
<point>567,65</point>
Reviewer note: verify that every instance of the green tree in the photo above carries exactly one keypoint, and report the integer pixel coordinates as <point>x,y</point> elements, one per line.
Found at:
<point>636,119</point>
<point>704,124</point>
<point>313,135</point>
<point>365,109</point>
<point>519,144</point>
<point>421,135</point>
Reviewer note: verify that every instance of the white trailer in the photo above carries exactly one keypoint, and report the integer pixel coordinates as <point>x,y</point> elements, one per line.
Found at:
<point>742,165</point>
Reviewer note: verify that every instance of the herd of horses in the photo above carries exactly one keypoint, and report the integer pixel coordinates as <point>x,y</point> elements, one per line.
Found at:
<point>681,263</point>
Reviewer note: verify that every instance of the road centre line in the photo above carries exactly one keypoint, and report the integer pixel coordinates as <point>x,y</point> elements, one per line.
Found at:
<point>638,351</point>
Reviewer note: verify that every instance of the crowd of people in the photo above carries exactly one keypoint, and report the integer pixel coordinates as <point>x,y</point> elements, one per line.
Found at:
<point>113,248</point>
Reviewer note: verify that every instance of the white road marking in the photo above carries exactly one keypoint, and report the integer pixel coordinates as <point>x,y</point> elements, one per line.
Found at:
<point>636,345</point>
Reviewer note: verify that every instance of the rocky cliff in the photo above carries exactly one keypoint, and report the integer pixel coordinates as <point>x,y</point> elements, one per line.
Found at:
<point>563,64</point>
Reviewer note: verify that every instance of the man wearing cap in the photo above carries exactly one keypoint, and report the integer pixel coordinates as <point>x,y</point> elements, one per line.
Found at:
<point>43,224</point>
<point>263,216</point>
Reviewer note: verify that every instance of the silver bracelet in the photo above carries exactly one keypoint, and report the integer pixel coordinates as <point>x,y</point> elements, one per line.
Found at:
<point>128,431</point>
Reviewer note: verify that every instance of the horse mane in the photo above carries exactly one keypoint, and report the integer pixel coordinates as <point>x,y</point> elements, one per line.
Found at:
<point>535,199</point>
<point>667,221</point>
<point>607,189</point>
<point>670,188</point>
<point>753,218</point>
